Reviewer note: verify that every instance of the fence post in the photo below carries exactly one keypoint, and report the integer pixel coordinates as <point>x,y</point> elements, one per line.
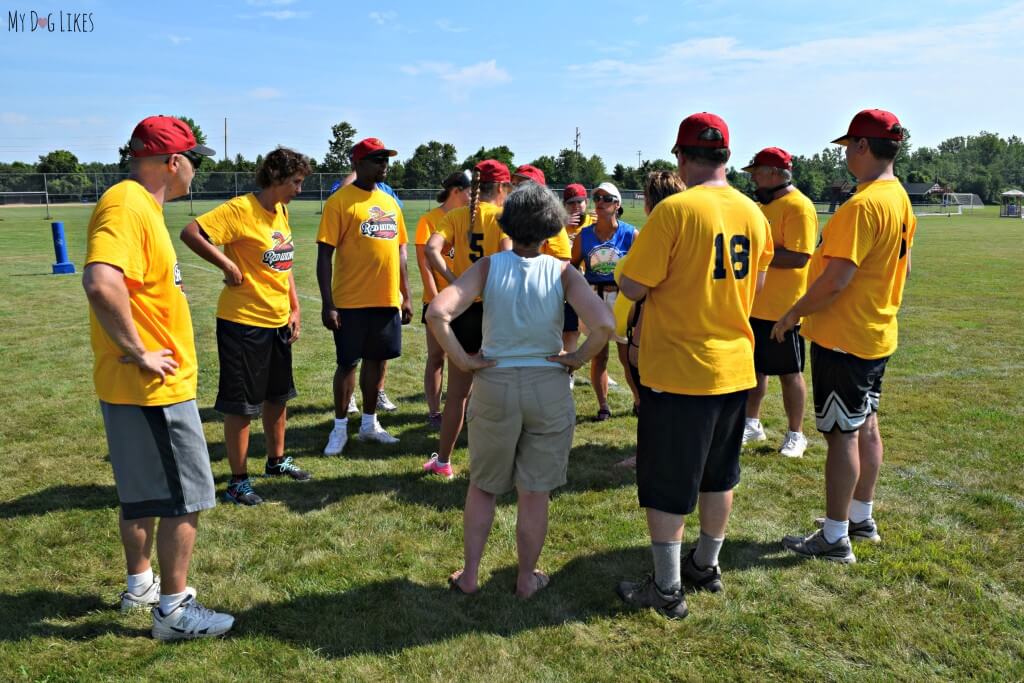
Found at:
<point>320,177</point>
<point>235,174</point>
<point>96,185</point>
<point>191,210</point>
<point>46,193</point>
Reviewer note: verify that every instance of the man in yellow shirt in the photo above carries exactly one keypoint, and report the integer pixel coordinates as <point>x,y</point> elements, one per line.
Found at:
<point>699,261</point>
<point>364,286</point>
<point>857,273</point>
<point>794,228</point>
<point>145,375</point>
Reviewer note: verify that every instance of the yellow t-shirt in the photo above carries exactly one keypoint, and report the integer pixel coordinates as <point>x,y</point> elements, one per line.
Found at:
<point>260,244</point>
<point>622,305</point>
<point>558,246</point>
<point>875,230</point>
<point>470,247</point>
<point>794,224</point>
<point>427,226</point>
<point>366,229</point>
<point>127,231</point>
<point>572,230</point>
<point>700,253</point>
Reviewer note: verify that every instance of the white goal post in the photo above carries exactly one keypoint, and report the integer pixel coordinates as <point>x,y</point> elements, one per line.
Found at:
<point>967,200</point>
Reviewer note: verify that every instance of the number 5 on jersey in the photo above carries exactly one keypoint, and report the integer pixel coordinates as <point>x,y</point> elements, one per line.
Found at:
<point>476,249</point>
<point>739,254</point>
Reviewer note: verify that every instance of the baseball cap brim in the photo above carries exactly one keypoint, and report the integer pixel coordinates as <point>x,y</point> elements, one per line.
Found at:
<point>381,153</point>
<point>748,169</point>
<point>842,141</point>
<point>203,150</point>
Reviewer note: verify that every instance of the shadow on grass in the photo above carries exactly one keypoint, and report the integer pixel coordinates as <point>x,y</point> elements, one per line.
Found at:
<point>64,497</point>
<point>31,615</point>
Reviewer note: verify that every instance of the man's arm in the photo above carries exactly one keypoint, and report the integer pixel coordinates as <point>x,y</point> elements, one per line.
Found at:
<point>108,296</point>
<point>403,283</point>
<point>199,242</point>
<point>784,258</point>
<point>324,267</point>
<point>822,292</point>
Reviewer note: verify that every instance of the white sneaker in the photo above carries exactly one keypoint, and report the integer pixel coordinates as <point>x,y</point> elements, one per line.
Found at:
<point>352,407</point>
<point>753,431</point>
<point>376,433</point>
<point>148,599</point>
<point>612,383</point>
<point>572,382</point>
<point>794,445</point>
<point>336,441</point>
<point>384,403</point>
<point>190,620</point>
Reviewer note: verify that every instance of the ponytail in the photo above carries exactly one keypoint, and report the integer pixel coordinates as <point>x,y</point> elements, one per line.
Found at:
<point>474,197</point>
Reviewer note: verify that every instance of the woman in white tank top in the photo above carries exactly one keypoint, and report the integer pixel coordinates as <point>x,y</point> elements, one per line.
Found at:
<point>521,414</point>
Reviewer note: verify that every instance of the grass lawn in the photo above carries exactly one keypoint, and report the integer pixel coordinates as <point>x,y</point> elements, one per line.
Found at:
<point>344,577</point>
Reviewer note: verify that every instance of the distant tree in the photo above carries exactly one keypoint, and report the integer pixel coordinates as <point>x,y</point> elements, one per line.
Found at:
<point>59,161</point>
<point>594,172</point>
<point>339,149</point>
<point>569,168</point>
<point>67,175</point>
<point>430,164</point>
<point>397,175</point>
<point>740,180</point>
<point>547,164</point>
<point>501,153</point>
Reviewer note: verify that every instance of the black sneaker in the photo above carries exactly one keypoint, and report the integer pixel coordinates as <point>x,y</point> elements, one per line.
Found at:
<point>241,493</point>
<point>647,594</point>
<point>859,531</point>
<point>815,545</point>
<point>287,468</point>
<point>696,579</point>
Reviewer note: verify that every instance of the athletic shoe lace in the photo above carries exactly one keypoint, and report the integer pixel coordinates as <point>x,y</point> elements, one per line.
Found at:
<point>287,465</point>
<point>244,487</point>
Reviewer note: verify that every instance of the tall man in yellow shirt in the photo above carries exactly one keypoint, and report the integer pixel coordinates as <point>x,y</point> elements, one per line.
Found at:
<point>699,261</point>
<point>794,227</point>
<point>858,272</point>
<point>364,287</point>
<point>145,374</point>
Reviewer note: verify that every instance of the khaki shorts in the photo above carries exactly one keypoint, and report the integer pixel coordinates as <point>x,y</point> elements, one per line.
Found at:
<point>521,422</point>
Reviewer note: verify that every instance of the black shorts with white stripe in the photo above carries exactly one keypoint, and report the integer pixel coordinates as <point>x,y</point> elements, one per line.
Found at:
<point>777,358</point>
<point>847,388</point>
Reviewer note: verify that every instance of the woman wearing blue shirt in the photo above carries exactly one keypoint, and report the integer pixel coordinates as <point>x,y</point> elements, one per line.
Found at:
<point>598,248</point>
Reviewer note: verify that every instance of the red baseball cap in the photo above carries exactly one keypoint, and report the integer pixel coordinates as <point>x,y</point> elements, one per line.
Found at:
<point>365,148</point>
<point>156,135</point>
<point>702,130</point>
<point>531,172</point>
<point>775,157</point>
<point>573,191</point>
<point>873,123</point>
<point>492,171</point>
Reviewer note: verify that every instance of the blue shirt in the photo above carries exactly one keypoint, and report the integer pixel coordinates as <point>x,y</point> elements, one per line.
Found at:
<point>383,187</point>
<point>600,258</point>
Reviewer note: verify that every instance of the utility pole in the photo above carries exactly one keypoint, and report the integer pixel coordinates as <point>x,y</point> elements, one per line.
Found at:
<point>225,138</point>
<point>577,142</point>
<point>638,160</point>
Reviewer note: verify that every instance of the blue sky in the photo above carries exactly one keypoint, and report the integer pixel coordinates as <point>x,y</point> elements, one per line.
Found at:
<point>526,74</point>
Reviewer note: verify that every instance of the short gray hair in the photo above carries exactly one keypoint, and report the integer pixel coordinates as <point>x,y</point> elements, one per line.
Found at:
<point>532,213</point>
<point>784,173</point>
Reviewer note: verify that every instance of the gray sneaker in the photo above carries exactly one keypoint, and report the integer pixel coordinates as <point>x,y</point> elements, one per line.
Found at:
<point>647,594</point>
<point>859,531</point>
<point>815,545</point>
<point>696,579</point>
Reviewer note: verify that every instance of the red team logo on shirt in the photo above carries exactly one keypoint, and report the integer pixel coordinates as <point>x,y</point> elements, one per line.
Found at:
<point>280,256</point>
<point>380,225</point>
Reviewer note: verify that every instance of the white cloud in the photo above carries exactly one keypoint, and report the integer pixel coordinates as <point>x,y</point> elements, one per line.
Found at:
<point>178,40</point>
<point>10,118</point>
<point>381,18</point>
<point>447,26</point>
<point>264,93</point>
<point>641,19</point>
<point>283,14</point>
<point>459,80</point>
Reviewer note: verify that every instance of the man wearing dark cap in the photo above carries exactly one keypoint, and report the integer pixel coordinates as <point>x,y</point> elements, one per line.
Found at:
<point>699,261</point>
<point>365,292</point>
<point>145,374</point>
<point>794,227</point>
<point>857,275</point>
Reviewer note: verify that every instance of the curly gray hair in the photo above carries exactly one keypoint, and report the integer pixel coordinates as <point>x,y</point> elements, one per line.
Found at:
<point>532,213</point>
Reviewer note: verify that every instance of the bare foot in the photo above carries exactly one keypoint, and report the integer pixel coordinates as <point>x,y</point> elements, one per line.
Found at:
<point>629,462</point>
<point>536,582</point>
<point>454,585</point>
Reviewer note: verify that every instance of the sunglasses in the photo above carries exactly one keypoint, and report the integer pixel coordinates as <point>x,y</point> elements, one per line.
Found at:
<point>195,159</point>
<point>606,198</point>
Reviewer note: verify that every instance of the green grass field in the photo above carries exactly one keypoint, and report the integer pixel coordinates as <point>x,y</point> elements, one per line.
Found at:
<point>344,577</point>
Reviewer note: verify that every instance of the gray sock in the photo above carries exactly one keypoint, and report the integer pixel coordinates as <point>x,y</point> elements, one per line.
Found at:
<point>666,566</point>
<point>706,554</point>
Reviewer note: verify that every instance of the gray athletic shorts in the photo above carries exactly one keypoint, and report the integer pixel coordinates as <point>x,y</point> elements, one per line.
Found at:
<point>161,465</point>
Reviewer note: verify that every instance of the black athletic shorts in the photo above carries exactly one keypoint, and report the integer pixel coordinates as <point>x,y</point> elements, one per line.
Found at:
<point>847,388</point>
<point>370,333</point>
<point>775,358</point>
<point>469,327</point>
<point>687,445</point>
<point>571,321</point>
<point>423,314</point>
<point>255,366</point>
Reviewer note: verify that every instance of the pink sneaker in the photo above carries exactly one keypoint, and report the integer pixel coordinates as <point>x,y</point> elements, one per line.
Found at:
<point>434,466</point>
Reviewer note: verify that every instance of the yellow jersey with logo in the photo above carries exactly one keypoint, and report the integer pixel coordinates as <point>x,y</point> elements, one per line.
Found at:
<point>427,226</point>
<point>559,246</point>
<point>260,244</point>
<point>127,231</point>
<point>366,230</point>
<point>700,253</point>
<point>794,222</point>
<point>470,247</point>
<point>875,230</point>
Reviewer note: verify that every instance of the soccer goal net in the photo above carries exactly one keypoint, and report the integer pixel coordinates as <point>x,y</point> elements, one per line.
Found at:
<point>965,199</point>
<point>936,209</point>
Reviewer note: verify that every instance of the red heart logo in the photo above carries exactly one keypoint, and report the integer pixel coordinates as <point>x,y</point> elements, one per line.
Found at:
<point>42,22</point>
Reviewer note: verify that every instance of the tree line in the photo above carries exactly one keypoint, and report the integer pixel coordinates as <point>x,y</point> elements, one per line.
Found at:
<point>985,164</point>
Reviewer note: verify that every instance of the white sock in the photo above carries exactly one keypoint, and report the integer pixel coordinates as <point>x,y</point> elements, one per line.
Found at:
<point>368,422</point>
<point>138,583</point>
<point>169,603</point>
<point>754,421</point>
<point>860,510</point>
<point>706,553</point>
<point>834,530</point>
<point>341,423</point>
